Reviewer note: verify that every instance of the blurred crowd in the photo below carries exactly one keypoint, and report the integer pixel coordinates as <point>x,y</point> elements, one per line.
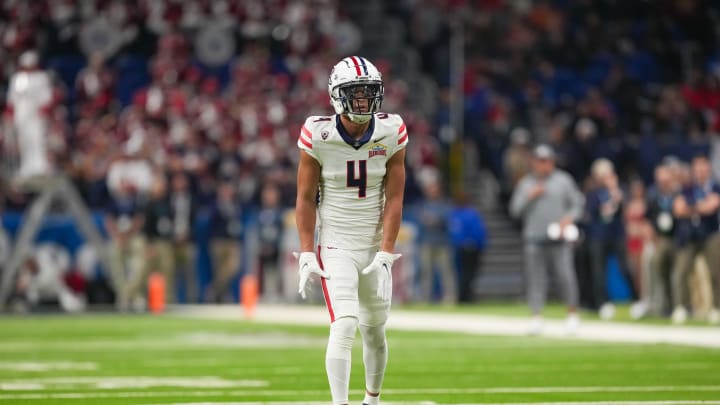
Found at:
<point>628,81</point>
<point>631,87</point>
<point>213,117</point>
<point>161,111</point>
<point>173,115</point>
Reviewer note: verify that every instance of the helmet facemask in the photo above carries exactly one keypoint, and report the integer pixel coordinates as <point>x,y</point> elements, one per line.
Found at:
<point>360,100</point>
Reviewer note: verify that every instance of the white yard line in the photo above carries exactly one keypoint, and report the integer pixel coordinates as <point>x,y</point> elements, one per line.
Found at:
<point>42,366</point>
<point>547,390</point>
<point>673,402</point>
<point>593,367</point>
<point>391,391</point>
<point>115,383</point>
<point>184,341</point>
<point>289,403</point>
<point>113,394</point>
<point>651,402</point>
<point>473,323</point>
<point>171,344</point>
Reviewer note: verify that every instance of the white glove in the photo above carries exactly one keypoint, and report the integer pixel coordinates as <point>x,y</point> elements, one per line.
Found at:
<point>308,263</point>
<point>382,266</point>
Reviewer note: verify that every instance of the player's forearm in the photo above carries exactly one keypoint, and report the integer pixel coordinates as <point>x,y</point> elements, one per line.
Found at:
<point>305,220</point>
<point>306,202</point>
<point>391,224</point>
<point>394,190</point>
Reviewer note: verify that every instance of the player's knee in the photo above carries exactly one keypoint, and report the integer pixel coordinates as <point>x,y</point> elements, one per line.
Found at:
<point>375,314</point>
<point>342,332</point>
<point>373,336</point>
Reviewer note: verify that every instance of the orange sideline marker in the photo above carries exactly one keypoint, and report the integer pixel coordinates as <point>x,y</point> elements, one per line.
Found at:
<point>156,293</point>
<point>249,294</point>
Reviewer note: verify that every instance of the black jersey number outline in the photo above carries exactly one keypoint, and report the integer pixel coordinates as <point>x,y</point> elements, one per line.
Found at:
<point>357,179</point>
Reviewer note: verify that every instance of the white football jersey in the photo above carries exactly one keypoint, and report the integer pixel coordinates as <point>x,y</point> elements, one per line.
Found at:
<point>352,174</point>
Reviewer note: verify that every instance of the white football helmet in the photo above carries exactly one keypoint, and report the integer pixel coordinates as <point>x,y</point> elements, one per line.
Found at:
<point>352,79</point>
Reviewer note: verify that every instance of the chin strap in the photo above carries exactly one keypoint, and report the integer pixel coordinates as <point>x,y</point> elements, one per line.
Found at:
<point>360,119</point>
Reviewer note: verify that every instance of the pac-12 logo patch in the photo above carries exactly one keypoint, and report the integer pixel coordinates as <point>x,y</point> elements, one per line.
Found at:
<point>377,149</point>
<point>324,135</point>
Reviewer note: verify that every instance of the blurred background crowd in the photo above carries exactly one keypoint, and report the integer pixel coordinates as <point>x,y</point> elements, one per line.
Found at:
<point>177,120</point>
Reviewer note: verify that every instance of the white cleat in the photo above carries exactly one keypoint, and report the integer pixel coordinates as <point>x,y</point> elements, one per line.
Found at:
<point>572,323</point>
<point>537,323</point>
<point>679,315</point>
<point>607,311</point>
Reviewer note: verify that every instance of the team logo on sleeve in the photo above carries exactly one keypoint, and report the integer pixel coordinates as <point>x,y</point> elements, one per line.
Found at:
<point>377,149</point>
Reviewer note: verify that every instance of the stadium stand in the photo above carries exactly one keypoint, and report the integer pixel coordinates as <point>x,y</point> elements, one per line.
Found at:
<point>217,90</point>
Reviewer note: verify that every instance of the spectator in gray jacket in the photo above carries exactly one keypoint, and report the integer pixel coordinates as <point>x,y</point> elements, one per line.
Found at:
<point>548,202</point>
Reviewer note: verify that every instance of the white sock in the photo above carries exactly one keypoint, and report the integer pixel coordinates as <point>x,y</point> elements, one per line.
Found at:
<point>375,355</point>
<point>371,400</point>
<point>337,357</point>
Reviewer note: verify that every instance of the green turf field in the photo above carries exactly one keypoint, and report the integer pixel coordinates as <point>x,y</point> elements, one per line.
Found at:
<point>145,359</point>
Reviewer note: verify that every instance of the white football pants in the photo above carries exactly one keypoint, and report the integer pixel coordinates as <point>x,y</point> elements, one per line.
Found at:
<point>352,300</point>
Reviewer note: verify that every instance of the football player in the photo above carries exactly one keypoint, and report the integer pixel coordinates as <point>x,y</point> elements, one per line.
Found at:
<point>351,175</point>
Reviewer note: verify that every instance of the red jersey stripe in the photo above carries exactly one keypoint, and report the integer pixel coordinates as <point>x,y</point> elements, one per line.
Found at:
<point>306,132</point>
<point>304,142</point>
<point>402,139</point>
<point>402,128</point>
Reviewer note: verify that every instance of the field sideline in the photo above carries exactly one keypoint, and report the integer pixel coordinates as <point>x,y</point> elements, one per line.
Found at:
<point>483,324</point>
<point>211,355</point>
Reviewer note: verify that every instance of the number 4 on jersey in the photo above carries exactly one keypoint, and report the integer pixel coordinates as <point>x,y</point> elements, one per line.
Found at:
<point>357,179</point>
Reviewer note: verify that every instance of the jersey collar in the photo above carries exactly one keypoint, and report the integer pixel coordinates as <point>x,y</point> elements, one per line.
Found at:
<point>357,144</point>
